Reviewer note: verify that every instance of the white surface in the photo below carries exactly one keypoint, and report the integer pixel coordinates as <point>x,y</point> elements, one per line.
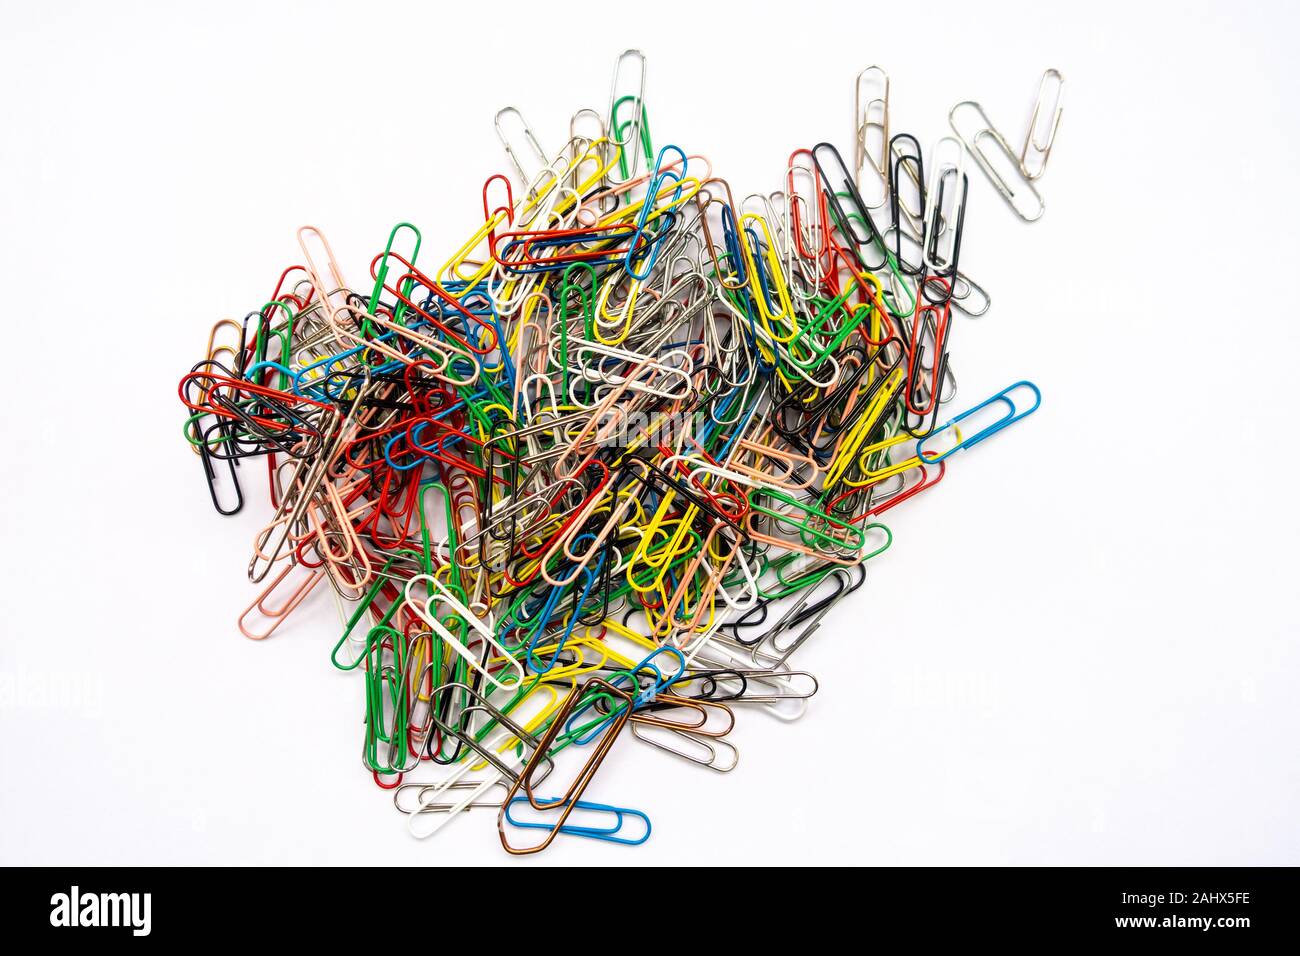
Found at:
<point>1081,647</point>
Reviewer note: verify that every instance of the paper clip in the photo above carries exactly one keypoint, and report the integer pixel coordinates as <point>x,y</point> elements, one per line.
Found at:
<point>1043,125</point>
<point>871,124</point>
<point>1012,415</point>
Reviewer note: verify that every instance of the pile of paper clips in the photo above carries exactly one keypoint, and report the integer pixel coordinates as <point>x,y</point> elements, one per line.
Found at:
<point>600,473</point>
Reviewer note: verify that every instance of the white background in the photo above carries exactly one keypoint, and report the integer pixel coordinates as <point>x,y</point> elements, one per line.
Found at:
<point>1081,647</point>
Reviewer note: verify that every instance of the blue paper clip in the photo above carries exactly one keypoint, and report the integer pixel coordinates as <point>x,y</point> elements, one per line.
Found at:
<point>1011,417</point>
<point>607,834</point>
